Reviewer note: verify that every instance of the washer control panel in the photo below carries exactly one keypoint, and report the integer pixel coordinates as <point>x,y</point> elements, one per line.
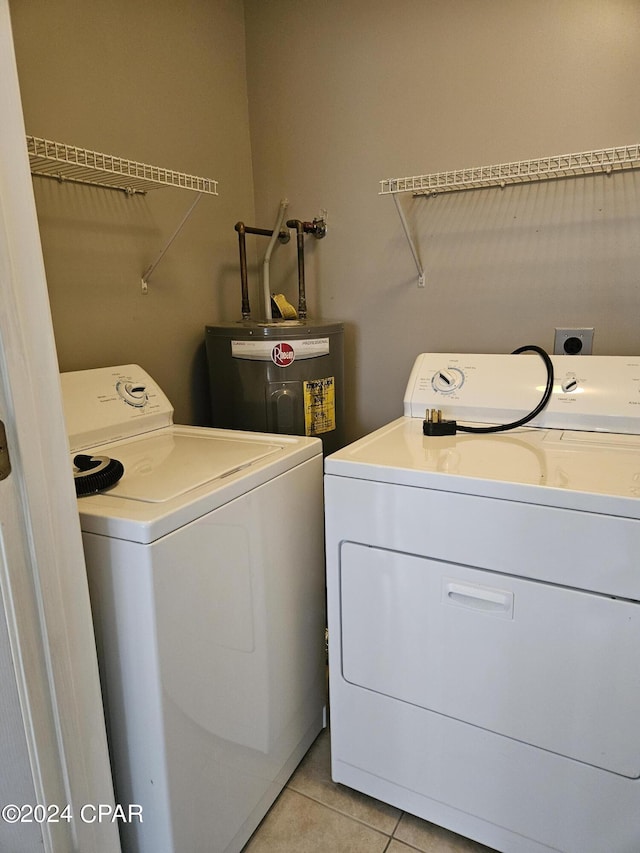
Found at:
<point>589,392</point>
<point>110,403</point>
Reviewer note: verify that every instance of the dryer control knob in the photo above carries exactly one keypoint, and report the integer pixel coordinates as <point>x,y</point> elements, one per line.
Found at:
<point>447,380</point>
<point>569,385</point>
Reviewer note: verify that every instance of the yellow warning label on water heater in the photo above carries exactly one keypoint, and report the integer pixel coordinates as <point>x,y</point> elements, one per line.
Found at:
<point>319,406</point>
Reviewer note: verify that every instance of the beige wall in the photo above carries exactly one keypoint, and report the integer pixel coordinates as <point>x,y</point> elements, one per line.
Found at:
<point>338,94</point>
<point>345,93</point>
<point>162,83</point>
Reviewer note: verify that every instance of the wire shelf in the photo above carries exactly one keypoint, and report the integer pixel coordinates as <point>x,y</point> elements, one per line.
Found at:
<point>606,160</point>
<point>69,163</point>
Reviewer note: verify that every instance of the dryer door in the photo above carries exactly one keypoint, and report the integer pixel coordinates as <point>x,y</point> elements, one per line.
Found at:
<point>549,666</point>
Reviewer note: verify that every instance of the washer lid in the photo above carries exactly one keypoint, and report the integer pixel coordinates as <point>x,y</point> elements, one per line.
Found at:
<point>163,465</point>
<point>178,474</point>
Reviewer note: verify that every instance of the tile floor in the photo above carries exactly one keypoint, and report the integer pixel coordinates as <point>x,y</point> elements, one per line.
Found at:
<point>315,815</point>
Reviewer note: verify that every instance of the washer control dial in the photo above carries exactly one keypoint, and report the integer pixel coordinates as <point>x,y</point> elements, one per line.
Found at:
<point>447,380</point>
<point>133,393</point>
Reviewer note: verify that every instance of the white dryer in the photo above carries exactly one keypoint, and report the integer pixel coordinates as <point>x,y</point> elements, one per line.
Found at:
<point>484,605</point>
<point>206,574</point>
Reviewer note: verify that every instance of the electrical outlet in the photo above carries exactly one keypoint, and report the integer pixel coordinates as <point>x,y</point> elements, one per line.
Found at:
<point>573,342</point>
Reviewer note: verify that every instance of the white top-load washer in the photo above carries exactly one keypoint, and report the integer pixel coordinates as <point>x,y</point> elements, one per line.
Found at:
<point>206,573</point>
<point>484,605</point>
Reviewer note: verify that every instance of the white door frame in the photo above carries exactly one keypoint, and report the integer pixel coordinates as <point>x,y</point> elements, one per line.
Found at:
<point>44,596</point>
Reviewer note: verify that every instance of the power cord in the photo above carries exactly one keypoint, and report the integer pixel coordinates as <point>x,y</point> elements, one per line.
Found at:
<point>434,425</point>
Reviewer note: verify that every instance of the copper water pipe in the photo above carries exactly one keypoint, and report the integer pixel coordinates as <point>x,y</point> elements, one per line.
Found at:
<point>243,229</point>
<point>302,299</point>
<point>246,308</point>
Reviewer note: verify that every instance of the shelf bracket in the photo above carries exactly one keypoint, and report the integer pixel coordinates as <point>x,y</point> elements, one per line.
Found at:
<point>414,252</point>
<point>146,275</point>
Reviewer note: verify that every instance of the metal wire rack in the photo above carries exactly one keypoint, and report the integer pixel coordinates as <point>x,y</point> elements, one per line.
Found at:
<point>605,160</point>
<point>70,163</point>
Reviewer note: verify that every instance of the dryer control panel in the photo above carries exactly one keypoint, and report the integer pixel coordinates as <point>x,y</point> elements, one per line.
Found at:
<point>599,393</point>
<point>110,403</point>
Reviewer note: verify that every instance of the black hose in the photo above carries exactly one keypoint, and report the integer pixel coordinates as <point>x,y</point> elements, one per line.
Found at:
<point>95,473</point>
<point>541,405</point>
